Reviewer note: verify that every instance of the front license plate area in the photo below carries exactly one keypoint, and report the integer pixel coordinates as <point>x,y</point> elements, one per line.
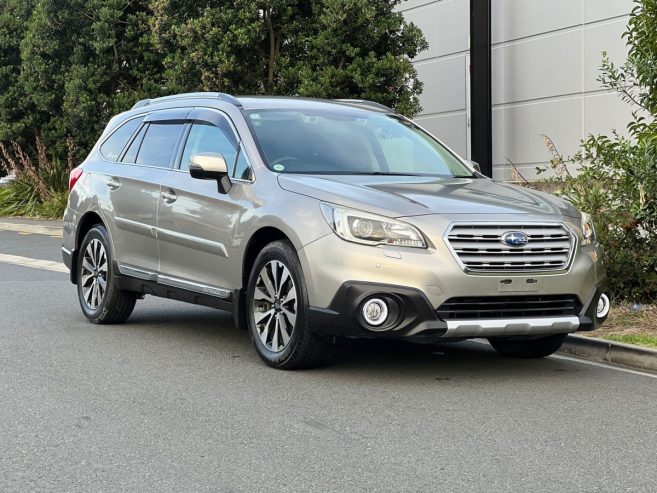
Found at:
<point>519,285</point>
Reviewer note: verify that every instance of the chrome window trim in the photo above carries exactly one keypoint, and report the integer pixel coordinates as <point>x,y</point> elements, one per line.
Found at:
<point>491,272</point>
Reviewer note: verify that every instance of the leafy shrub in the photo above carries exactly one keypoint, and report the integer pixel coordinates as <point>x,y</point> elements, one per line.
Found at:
<point>616,180</point>
<point>617,185</point>
<point>39,190</point>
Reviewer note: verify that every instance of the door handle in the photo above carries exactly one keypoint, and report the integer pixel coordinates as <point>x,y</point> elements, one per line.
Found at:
<point>169,196</point>
<point>113,183</point>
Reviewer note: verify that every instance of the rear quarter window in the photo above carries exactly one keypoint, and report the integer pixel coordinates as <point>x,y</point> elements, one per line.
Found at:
<point>113,146</point>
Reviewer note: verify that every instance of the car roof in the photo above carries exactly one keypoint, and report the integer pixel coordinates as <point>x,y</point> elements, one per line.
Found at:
<point>268,102</point>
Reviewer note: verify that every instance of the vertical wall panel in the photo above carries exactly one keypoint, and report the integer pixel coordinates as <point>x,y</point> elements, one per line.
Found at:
<point>546,58</point>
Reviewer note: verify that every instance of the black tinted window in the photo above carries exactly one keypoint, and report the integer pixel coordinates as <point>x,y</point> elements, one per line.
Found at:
<point>205,137</point>
<point>112,147</point>
<point>131,154</point>
<point>159,144</point>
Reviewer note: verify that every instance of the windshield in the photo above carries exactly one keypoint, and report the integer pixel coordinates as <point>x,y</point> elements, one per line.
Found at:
<point>348,141</point>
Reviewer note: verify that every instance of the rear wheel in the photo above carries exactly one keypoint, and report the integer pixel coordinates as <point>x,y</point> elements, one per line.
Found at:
<point>528,347</point>
<point>277,311</point>
<point>100,298</point>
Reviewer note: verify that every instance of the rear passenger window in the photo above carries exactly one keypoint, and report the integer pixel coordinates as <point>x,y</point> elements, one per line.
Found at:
<point>114,144</point>
<point>159,144</point>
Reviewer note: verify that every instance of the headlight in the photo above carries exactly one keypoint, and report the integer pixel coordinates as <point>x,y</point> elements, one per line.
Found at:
<point>369,229</point>
<point>588,231</point>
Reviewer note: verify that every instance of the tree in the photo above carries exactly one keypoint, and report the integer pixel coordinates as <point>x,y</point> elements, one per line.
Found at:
<point>315,48</point>
<point>68,66</point>
<point>80,62</point>
<point>14,15</point>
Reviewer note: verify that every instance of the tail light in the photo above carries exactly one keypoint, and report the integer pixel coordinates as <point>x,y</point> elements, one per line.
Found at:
<point>73,178</point>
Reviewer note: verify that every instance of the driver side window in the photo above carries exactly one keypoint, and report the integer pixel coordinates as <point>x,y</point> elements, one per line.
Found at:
<point>205,137</point>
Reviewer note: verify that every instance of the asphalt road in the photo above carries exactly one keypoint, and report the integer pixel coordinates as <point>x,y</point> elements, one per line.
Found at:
<point>177,400</point>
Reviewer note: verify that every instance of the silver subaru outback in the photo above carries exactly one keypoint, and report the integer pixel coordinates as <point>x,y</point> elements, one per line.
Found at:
<point>315,220</point>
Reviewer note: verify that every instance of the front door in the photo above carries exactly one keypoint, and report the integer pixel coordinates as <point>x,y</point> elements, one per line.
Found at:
<point>196,223</point>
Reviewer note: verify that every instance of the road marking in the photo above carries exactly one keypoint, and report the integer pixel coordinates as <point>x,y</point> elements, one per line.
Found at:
<point>33,263</point>
<point>22,228</point>
<point>603,365</point>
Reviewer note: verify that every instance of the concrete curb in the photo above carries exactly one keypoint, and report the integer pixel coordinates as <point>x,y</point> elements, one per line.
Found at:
<point>27,228</point>
<point>610,352</point>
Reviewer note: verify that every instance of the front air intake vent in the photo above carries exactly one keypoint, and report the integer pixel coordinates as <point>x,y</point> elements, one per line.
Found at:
<point>497,307</point>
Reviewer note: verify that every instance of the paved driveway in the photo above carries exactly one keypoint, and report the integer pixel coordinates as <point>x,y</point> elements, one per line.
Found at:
<point>176,400</point>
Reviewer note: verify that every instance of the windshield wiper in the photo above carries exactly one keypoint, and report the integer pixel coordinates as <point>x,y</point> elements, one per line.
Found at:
<point>394,173</point>
<point>388,173</point>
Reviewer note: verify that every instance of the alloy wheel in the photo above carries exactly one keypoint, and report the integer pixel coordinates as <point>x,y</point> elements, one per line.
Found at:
<point>275,306</point>
<point>94,274</point>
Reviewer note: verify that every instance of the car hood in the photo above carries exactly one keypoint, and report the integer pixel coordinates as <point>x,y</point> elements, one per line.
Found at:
<point>403,196</point>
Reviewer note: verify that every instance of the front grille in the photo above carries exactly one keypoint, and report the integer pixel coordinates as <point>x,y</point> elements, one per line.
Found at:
<point>479,247</point>
<point>494,307</point>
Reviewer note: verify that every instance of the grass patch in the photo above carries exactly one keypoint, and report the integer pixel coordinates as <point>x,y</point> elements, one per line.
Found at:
<point>19,198</point>
<point>629,326</point>
<point>636,339</point>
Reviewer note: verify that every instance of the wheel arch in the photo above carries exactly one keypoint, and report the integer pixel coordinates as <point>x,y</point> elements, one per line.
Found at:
<point>87,221</point>
<point>259,240</point>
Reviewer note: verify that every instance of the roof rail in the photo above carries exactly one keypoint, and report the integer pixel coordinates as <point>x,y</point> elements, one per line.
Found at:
<point>365,102</point>
<point>190,95</point>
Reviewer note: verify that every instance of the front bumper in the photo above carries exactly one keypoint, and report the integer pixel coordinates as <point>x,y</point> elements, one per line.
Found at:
<point>341,275</point>
<point>418,320</point>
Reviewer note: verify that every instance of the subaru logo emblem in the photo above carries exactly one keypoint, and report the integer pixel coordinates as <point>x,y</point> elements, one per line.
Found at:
<point>515,239</point>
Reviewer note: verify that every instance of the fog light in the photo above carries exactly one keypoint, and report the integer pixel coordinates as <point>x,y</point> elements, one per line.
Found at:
<point>603,306</point>
<point>375,312</point>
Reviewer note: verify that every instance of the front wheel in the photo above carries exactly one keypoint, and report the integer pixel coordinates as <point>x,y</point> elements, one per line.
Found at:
<point>277,311</point>
<point>528,347</point>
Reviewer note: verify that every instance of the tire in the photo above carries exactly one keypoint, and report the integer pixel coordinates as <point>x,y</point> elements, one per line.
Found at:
<point>527,347</point>
<point>108,305</point>
<point>277,320</point>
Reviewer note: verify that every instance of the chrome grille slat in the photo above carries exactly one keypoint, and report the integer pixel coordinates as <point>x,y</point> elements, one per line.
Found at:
<point>479,247</point>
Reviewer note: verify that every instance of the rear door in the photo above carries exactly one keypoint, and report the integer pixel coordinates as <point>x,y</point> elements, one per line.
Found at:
<point>135,191</point>
<point>196,223</point>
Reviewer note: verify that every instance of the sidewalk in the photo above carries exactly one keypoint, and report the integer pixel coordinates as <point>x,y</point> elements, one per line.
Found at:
<point>31,226</point>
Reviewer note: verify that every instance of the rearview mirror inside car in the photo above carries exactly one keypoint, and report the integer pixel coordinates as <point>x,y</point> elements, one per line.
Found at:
<point>210,166</point>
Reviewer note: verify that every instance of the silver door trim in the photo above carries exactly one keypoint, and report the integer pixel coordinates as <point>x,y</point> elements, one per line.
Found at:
<point>138,273</point>
<point>208,246</point>
<point>135,227</point>
<point>194,286</point>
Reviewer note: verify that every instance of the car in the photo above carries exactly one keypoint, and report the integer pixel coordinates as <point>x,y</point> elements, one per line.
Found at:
<point>314,221</point>
<point>7,178</point>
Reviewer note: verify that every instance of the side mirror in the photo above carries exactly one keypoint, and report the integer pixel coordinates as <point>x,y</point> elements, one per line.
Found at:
<point>475,165</point>
<point>210,166</point>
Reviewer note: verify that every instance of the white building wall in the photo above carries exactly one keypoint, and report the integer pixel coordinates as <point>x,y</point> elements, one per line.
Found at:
<point>545,58</point>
